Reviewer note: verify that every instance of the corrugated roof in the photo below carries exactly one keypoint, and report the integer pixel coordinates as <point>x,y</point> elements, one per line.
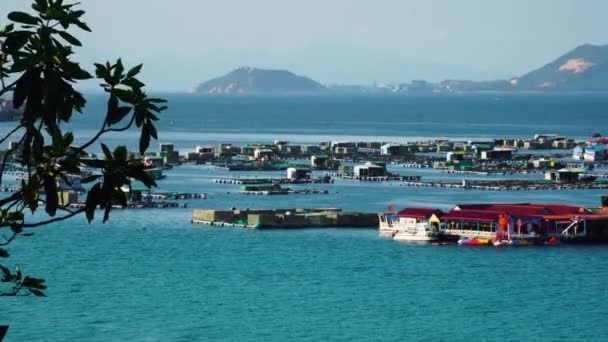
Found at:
<point>473,215</point>
<point>419,212</point>
<point>526,209</point>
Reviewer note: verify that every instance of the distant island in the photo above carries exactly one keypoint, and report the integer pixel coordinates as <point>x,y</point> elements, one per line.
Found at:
<point>248,80</point>
<point>583,69</point>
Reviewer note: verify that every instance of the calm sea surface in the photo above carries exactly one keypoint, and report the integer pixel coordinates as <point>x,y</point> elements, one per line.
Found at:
<point>149,275</point>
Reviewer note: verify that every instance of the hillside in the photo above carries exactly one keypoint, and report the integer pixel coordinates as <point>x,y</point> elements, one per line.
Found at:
<point>247,80</point>
<point>582,69</point>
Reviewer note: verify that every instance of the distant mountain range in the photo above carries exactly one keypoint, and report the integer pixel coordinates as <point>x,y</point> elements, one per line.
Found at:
<point>582,69</point>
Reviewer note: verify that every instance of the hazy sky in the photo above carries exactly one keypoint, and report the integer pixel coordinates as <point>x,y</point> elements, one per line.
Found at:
<point>184,42</point>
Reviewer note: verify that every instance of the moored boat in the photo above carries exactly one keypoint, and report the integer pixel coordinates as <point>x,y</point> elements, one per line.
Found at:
<point>411,224</point>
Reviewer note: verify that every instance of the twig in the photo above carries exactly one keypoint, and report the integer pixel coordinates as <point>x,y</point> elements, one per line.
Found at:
<point>56,219</point>
<point>8,240</point>
<point>8,135</point>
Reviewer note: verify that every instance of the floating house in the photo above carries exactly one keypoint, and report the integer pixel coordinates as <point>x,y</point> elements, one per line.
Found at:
<point>369,170</point>
<point>595,152</point>
<point>298,173</point>
<point>319,161</point>
<point>526,221</point>
<point>391,149</point>
<point>497,154</point>
<point>565,175</point>
<point>455,155</point>
<point>263,153</point>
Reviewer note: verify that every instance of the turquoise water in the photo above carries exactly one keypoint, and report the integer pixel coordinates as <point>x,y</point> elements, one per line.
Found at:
<point>149,275</point>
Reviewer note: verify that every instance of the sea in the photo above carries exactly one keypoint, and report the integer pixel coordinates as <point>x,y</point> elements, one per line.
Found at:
<point>150,275</point>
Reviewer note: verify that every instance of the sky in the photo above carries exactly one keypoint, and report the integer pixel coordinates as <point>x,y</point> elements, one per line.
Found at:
<point>185,42</point>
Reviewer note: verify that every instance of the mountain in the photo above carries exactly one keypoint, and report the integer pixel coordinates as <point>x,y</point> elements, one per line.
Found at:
<point>247,80</point>
<point>582,69</point>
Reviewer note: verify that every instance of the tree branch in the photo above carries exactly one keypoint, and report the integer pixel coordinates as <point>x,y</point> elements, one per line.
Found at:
<point>8,135</point>
<point>5,157</point>
<point>56,219</point>
<point>8,240</point>
<point>6,89</point>
<point>101,132</point>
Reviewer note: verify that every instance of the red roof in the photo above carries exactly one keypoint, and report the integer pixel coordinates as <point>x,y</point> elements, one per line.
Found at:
<point>527,209</point>
<point>473,215</point>
<point>419,212</point>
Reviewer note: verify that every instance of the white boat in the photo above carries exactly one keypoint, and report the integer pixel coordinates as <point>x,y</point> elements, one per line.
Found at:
<point>388,225</point>
<point>403,227</point>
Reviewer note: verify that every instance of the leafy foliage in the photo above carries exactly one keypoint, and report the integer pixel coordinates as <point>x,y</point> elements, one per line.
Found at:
<point>36,53</point>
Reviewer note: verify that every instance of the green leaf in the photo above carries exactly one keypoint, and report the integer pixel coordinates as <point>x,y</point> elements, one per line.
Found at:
<point>124,95</point>
<point>133,83</point>
<point>116,115</point>
<point>82,26</point>
<point>6,29</point>
<point>37,293</point>
<point>156,100</point>
<point>69,38</point>
<point>33,283</point>
<point>144,139</point>
<point>120,153</point>
<point>15,41</point>
<point>40,6</point>
<point>106,151</point>
<point>94,197</point>
<point>23,18</point>
<point>134,71</point>
<point>152,130</point>
<point>52,198</point>
<point>106,213</point>
<point>6,274</point>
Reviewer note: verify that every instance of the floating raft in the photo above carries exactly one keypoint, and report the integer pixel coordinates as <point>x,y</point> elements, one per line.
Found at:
<point>253,181</point>
<point>175,196</point>
<point>139,205</point>
<point>285,192</point>
<point>387,178</point>
<point>285,218</point>
<point>499,187</point>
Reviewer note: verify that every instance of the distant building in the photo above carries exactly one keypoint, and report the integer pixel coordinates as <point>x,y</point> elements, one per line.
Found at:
<point>262,153</point>
<point>566,175</point>
<point>595,153</point>
<point>497,154</point>
<point>369,170</point>
<point>319,161</point>
<point>391,149</point>
<point>297,173</point>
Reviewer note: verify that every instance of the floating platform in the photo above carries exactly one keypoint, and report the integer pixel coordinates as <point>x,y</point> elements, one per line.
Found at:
<point>285,192</point>
<point>139,205</point>
<point>507,185</point>
<point>253,181</point>
<point>285,218</point>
